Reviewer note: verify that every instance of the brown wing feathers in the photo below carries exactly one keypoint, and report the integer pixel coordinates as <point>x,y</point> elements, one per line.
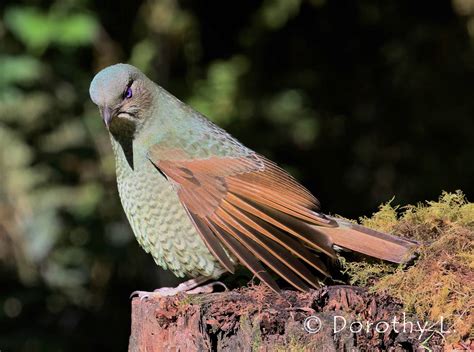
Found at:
<point>255,211</point>
<point>214,246</point>
<point>244,256</point>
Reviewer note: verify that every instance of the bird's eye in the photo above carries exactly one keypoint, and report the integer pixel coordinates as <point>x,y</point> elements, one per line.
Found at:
<point>128,93</point>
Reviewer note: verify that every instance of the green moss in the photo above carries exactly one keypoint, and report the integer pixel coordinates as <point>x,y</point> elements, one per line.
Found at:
<point>364,273</point>
<point>440,282</point>
<point>294,345</point>
<point>384,219</point>
<point>251,331</point>
<point>193,299</point>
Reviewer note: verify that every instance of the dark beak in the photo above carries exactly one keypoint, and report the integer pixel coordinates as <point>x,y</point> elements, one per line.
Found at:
<point>107,115</point>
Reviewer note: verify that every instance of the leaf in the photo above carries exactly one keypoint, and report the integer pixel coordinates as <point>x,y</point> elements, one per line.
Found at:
<point>56,27</point>
<point>19,69</point>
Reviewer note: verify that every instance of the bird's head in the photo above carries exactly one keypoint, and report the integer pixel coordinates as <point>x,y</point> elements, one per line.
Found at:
<point>124,97</point>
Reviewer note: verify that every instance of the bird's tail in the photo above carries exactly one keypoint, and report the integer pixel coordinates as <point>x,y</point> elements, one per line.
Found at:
<point>369,242</point>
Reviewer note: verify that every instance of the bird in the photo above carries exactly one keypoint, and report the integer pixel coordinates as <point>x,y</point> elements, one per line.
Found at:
<point>202,204</point>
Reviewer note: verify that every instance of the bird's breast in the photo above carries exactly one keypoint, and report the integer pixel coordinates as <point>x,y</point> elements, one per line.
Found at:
<point>160,222</point>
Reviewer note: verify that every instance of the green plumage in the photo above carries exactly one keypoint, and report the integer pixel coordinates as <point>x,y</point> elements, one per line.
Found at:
<point>199,201</point>
<point>158,219</point>
<point>156,215</point>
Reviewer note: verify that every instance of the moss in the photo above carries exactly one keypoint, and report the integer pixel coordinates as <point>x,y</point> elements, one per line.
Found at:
<point>294,345</point>
<point>441,281</point>
<point>187,300</point>
<point>384,219</point>
<point>295,341</point>
<point>364,273</point>
<point>251,332</point>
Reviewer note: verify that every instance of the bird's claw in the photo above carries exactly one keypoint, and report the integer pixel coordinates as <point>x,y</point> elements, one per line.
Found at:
<point>159,293</point>
<point>172,291</point>
<point>209,288</point>
<point>140,294</point>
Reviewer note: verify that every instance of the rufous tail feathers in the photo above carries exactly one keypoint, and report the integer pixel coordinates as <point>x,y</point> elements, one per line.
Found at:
<point>370,242</point>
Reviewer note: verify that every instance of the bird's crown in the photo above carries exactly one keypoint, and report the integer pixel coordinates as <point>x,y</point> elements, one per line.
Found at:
<point>110,84</point>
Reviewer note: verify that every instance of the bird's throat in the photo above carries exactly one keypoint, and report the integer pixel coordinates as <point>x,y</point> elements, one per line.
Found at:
<point>123,133</point>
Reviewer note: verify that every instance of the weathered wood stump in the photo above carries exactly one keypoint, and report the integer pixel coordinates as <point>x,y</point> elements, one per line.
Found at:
<point>336,318</point>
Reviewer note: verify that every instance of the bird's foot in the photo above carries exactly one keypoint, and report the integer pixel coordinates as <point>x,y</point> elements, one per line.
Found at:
<point>190,287</point>
<point>208,288</point>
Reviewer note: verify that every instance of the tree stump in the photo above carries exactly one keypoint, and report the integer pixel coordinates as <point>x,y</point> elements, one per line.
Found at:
<point>335,318</point>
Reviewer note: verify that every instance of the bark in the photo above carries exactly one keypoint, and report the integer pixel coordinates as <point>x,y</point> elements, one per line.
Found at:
<point>257,319</point>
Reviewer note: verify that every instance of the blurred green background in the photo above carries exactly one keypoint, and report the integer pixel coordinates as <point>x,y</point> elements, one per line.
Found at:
<point>360,100</point>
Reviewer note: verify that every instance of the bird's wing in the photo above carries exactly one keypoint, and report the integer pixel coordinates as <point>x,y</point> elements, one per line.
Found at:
<point>253,209</point>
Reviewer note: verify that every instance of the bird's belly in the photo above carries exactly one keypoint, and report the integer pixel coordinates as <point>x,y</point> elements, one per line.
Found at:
<point>161,224</point>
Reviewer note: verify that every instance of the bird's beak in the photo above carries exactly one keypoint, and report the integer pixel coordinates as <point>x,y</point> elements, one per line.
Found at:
<point>107,115</point>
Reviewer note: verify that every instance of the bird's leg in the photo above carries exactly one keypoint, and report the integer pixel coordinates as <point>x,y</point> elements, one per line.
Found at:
<point>208,288</point>
<point>190,287</point>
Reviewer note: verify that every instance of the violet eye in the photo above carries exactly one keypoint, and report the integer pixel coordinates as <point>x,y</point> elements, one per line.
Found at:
<point>128,93</point>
